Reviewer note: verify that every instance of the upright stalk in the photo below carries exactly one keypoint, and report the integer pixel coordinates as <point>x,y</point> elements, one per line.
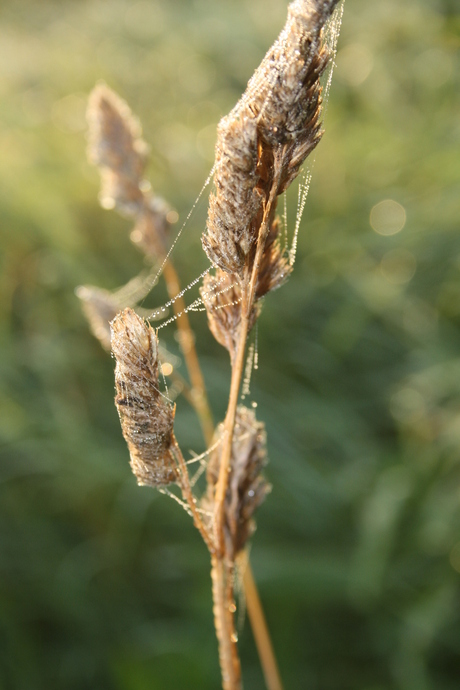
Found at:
<point>263,641</point>
<point>223,607</point>
<point>222,581</point>
<point>248,294</point>
<point>222,573</point>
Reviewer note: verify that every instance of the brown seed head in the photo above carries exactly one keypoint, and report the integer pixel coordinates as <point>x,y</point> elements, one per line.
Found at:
<point>274,268</point>
<point>284,93</point>
<point>146,418</point>
<point>221,295</point>
<point>237,201</point>
<point>151,229</point>
<point>247,487</point>
<point>117,149</point>
<point>278,117</point>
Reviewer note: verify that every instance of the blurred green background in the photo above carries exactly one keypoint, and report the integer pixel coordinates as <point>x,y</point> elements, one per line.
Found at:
<point>357,553</point>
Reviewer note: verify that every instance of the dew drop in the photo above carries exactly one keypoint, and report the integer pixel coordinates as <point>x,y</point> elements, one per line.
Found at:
<point>232,607</point>
<point>234,637</point>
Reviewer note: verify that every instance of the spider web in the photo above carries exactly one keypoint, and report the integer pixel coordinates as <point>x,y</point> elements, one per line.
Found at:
<point>140,287</point>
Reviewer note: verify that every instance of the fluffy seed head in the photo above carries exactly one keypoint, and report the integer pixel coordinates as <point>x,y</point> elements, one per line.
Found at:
<point>146,418</point>
<point>237,201</point>
<point>115,146</point>
<point>247,487</point>
<point>278,117</point>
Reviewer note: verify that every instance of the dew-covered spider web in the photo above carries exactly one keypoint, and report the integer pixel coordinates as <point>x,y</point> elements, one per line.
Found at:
<point>330,38</point>
<point>137,289</point>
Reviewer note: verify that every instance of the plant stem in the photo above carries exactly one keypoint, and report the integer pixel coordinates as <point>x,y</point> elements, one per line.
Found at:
<point>223,609</point>
<point>187,344</point>
<point>223,606</point>
<point>248,296</point>
<point>200,402</point>
<point>260,630</point>
<point>188,495</point>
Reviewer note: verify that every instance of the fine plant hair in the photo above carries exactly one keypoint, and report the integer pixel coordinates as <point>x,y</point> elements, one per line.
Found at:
<point>261,145</point>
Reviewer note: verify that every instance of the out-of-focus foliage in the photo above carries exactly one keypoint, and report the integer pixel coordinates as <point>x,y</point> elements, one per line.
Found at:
<point>104,584</point>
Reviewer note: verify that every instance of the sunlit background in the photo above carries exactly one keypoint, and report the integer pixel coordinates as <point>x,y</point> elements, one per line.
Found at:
<point>357,554</point>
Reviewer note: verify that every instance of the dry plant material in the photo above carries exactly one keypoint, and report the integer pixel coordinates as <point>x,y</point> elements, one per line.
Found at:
<point>247,487</point>
<point>280,110</point>
<point>260,147</point>
<point>116,147</point>
<point>221,295</point>
<point>146,418</point>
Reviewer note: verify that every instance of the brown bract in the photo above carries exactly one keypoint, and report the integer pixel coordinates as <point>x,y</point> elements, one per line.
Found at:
<point>275,267</point>
<point>146,417</point>
<point>221,295</point>
<point>247,487</point>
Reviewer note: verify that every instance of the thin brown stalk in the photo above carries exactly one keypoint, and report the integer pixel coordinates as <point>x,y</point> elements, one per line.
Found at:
<point>260,629</point>
<point>238,367</point>
<point>200,401</point>
<point>223,607</point>
<point>187,493</point>
<point>187,345</point>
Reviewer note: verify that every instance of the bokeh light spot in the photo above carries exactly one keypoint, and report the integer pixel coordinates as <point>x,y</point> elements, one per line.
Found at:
<point>166,369</point>
<point>387,217</point>
<point>172,217</point>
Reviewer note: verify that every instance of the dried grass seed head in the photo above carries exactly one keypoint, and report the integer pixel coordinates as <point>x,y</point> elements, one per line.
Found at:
<point>221,295</point>
<point>237,200</point>
<point>284,93</point>
<point>279,111</point>
<point>247,487</point>
<point>146,417</point>
<point>116,147</point>
<point>152,227</point>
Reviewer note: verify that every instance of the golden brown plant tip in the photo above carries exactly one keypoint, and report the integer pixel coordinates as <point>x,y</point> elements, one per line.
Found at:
<point>278,116</point>
<point>146,417</point>
<point>116,147</point>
